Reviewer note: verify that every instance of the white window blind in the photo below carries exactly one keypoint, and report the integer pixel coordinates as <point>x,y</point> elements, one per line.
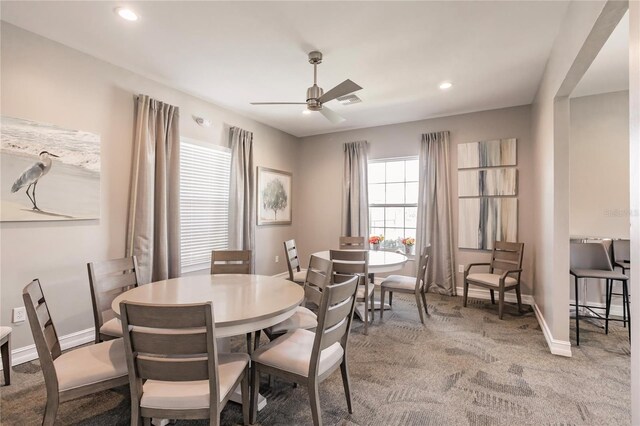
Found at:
<point>204,202</point>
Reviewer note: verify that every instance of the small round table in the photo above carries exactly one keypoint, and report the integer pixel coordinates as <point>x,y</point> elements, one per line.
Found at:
<point>379,261</point>
<point>241,303</point>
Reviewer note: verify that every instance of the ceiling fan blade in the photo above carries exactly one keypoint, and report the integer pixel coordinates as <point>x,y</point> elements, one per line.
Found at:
<point>331,115</point>
<point>341,89</point>
<point>278,103</point>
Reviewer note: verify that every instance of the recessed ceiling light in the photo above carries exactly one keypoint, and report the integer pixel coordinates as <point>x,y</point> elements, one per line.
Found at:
<point>445,85</point>
<point>127,14</point>
<point>306,112</point>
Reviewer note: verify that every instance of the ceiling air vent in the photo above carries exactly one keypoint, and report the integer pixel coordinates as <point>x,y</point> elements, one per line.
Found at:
<point>349,99</point>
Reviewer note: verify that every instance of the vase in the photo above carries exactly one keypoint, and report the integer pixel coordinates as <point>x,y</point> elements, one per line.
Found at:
<point>408,249</point>
<point>376,247</point>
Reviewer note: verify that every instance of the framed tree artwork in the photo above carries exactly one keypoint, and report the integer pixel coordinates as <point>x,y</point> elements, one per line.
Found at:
<point>274,197</point>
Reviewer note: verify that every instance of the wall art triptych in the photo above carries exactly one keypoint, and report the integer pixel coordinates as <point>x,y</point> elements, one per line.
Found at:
<point>487,190</point>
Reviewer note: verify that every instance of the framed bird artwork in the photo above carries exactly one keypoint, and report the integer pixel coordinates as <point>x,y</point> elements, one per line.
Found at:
<point>48,172</point>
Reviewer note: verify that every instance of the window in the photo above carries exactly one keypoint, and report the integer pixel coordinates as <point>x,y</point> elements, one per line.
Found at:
<point>393,200</point>
<point>204,202</point>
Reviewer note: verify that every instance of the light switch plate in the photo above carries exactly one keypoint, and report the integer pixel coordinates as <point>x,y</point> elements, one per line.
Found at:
<point>19,314</point>
<point>460,268</point>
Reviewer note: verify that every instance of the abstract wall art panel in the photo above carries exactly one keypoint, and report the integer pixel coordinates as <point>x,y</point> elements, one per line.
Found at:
<point>489,182</point>
<point>494,153</point>
<point>48,172</point>
<point>481,221</point>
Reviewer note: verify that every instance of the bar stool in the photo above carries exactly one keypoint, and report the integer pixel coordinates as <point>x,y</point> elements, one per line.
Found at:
<point>5,348</point>
<point>591,260</point>
<point>621,259</point>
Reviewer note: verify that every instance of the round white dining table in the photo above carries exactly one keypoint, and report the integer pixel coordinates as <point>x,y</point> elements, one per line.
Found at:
<point>241,303</point>
<point>379,261</point>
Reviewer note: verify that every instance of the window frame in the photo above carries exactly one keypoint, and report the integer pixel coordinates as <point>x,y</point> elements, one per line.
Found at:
<point>392,205</point>
<point>208,145</point>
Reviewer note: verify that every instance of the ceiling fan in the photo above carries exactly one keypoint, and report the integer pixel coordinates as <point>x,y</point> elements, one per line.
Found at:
<point>316,96</point>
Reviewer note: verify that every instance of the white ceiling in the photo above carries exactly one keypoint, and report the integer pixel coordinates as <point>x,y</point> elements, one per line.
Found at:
<point>609,72</point>
<point>232,53</point>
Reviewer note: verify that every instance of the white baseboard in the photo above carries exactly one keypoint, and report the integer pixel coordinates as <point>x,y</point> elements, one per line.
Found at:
<point>557,347</point>
<point>29,353</point>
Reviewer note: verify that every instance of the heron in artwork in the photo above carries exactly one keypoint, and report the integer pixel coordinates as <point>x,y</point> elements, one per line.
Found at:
<point>32,175</point>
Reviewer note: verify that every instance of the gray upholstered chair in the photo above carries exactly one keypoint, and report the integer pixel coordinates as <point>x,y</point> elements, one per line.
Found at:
<point>108,279</point>
<point>76,373</point>
<point>5,349</point>
<point>296,274</point>
<point>622,260</point>
<point>231,261</point>
<point>308,358</point>
<point>505,257</point>
<point>175,371</point>
<point>356,262</point>
<point>318,277</point>
<point>352,243</point>
<point>591,260</point>
<point>411,285</point>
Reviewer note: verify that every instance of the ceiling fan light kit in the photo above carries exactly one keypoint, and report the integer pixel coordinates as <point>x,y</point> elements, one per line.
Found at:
<point>316,97</point>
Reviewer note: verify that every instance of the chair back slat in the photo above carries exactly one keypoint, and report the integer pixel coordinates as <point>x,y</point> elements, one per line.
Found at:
<point>107,280</point>
<point>590,256</point>
<point>231,261</point>
<point>44,333</point>
<point>170,343</point>
<point>622,250</point>
<point>423,266</point>
<point>172,369</point>
<point>318,277</point>
<point>291,254</point>
<point>351,243</point>
<point>334,316</point>
<point>506,255</point>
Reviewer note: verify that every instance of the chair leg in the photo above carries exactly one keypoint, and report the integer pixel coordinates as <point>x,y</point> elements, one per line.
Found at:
<point>493,297</point>
<point>577,313</point>
<point>255,387</point>
<point>51,410</point>
<point>6,361</point>
<point>256,341</point>
<point>390,298</point>
<point>500,302</point>
<point>136,418</point>
<point>344,369</point>
<point>418,303</point>
<point>625,301</point>
<point>249,344</point>
<point>246,400</point>
<point>314,399</point>
<point>366,312</point>
<point>466,293</point>
<point>372,303</point>
<point>382,292</point>
<point>424,302</point>
<point>624,312</point>
<point>519,297</point>
<point>608,288</point>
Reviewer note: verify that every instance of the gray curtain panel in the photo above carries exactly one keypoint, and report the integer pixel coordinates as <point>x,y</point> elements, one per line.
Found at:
<point>153,229</point>
<point>435,226</point>
<point>242,208</point>
<point>355,201</point>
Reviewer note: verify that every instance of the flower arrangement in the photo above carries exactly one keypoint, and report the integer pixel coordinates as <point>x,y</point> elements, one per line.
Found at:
<point>376,239</point>
<point>408,241</point>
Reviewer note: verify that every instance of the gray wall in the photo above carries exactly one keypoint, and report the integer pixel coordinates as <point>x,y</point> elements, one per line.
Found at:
<point>321,157</point>
<point>51,83</point>
<point>599,158</point>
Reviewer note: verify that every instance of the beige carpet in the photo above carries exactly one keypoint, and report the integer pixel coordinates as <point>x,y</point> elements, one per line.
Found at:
<point>465,367</point>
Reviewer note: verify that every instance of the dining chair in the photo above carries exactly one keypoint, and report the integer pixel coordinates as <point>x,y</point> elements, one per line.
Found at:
<point>409,285</point>
<point>296,274</point>
<point>175,371</point>
<point>75,373</point>
<point>507,258</point>
<point>356,262</point>
<point>622,260</point>
<point>591,260</point>
<point>353,243</point>
<point>5,349</point>
<point>235,262</point>
<point>318,277</point>
<point>308,358</point>
<point>231,261</point>
<point>108,279</point>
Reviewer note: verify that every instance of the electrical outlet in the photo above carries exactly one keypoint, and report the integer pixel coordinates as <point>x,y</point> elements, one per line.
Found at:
<point>461,268</point>
<point>277,259</point>
<point>19,314</point>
